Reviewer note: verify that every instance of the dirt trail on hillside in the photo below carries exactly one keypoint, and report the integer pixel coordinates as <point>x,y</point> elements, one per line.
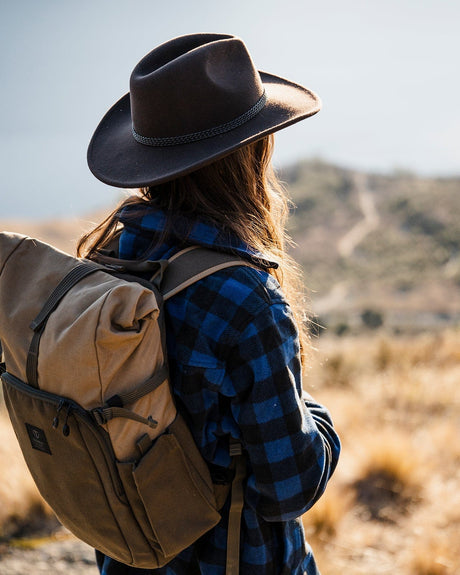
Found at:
<point>335,298</point>
<point>370,221</point>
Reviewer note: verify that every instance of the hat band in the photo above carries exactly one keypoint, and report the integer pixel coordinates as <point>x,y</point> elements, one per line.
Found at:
<point>196,136</point>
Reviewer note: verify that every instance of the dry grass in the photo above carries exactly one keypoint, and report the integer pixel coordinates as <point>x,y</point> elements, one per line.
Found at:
<point>433,558</point>
<point>396,405</point>
<point>323,520</point>
<point>424,354</point>
<point>393,505</point>
<point>22,509</point>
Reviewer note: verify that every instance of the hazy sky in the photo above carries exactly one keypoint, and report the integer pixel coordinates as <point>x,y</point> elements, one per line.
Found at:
<point>387,72</point>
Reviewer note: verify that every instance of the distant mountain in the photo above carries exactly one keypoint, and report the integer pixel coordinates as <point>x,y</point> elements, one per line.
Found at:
<point>388,245</point>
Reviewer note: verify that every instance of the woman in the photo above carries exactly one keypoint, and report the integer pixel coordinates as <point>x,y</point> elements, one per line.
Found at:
<point>194,135</point>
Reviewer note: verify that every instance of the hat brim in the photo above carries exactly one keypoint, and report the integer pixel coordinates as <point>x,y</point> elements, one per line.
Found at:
<point>117,159</point>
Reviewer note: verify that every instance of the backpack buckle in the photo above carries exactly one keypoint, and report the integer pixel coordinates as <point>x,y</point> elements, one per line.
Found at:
<point>99,416</point>
<point>235,448</point>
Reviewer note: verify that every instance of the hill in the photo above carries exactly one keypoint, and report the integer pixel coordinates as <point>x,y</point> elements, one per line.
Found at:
<point>386,246</point>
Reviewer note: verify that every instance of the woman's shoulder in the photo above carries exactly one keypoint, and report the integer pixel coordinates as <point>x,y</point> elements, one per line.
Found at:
<point>243,285</point>
<point>228,299</point>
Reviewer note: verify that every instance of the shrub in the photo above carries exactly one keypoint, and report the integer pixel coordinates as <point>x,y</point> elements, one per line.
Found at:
<point>372,319</point>
<point>389,480</point>
<point>337,371</point>
<point>341,328</point>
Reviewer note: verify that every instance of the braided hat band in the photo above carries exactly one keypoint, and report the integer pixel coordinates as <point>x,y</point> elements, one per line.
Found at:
<point>196,136</point>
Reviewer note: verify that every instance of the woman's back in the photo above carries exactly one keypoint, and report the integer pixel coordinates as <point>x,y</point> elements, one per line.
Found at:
<point>235,368</point>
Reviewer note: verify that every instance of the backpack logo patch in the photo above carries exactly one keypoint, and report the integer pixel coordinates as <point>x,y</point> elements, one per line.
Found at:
<point>38,438</point>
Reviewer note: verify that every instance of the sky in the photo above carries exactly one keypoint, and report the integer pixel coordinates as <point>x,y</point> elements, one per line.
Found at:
<point>387,73</point>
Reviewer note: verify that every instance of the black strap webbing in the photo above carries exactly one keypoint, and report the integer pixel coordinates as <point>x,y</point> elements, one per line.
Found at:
<point>149,385</point>
<point>2,364</point>
<point>76,274</point>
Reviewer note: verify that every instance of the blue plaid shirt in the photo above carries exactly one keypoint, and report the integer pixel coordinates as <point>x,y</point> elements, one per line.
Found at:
<point>235,369</point>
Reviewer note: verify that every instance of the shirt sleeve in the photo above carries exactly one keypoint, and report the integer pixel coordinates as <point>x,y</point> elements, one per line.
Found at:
<point>290,440</point>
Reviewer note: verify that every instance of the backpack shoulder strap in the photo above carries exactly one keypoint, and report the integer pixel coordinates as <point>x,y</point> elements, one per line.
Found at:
<point>176,273</point>
<point>185,268</point>
<point>192,264</point>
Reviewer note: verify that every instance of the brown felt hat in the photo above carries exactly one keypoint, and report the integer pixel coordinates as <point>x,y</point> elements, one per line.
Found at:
<point>192,101</point>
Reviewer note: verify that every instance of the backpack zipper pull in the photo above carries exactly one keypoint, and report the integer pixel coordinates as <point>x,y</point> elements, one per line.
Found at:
<point>65,427</point>
<point>56,418</point>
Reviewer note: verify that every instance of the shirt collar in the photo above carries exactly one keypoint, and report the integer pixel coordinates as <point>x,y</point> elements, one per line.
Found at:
<point>145,227</point>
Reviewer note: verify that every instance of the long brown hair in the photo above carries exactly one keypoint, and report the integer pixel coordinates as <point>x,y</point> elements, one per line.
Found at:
<point>239,193</point>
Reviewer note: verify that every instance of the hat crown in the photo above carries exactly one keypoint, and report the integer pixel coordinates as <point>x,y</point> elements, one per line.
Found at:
<point>192,84</point>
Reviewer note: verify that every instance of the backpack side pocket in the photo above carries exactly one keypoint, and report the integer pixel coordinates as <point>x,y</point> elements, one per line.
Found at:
<point>175,487</point>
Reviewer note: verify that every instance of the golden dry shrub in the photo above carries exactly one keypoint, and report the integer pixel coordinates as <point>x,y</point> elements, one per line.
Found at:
<point>336,370</point>
<point>435,557</point>
<point>322,521</point>
<point>434,349</point>
<point>384,354</point>
<point>390,477</point>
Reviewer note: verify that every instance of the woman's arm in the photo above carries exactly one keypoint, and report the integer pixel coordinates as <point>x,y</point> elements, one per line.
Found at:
<point>290,440</point>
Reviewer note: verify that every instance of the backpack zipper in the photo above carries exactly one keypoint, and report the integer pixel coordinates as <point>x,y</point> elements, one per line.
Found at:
<point>69,406</point>
<point>56,417</point>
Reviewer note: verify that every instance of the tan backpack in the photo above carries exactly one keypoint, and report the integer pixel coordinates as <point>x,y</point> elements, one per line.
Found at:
<point>85,381</point>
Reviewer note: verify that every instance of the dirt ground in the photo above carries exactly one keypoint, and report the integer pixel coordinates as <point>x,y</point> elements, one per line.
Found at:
<point>63,555</point>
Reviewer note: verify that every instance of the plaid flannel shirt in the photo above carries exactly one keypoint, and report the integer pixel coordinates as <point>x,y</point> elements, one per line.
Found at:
<point>235,369</point>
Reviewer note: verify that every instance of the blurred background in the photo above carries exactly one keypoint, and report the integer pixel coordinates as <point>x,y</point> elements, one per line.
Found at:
<point>375,180</point>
